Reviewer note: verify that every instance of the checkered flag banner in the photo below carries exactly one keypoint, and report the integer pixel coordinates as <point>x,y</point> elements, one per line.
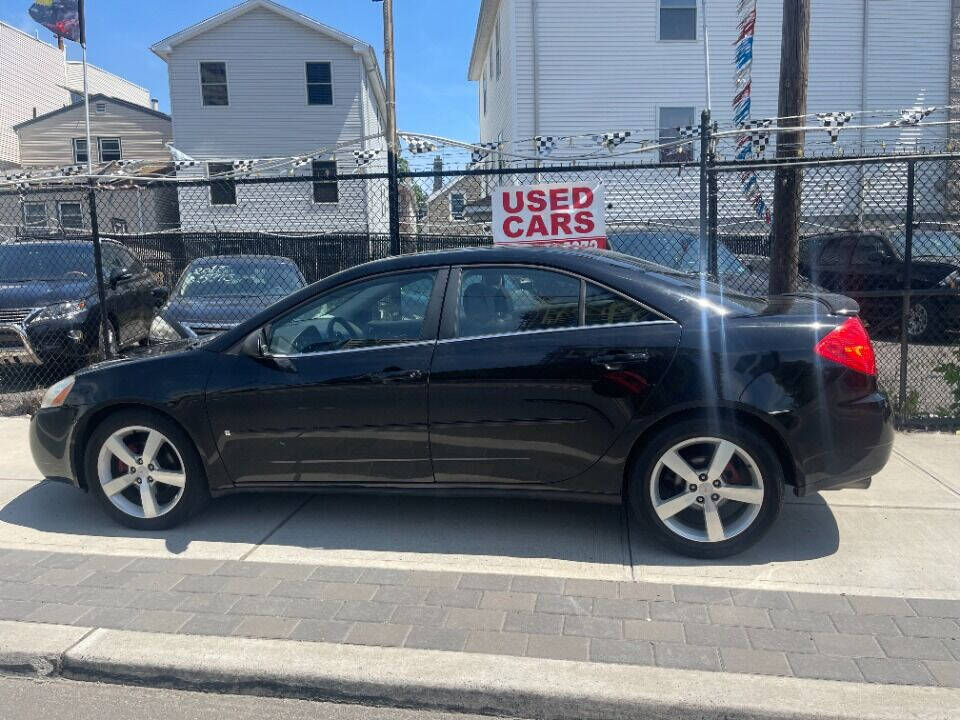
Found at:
<point>365,157</point>
<point>73,170</point>
<point>482,151</point>
<point>545,144</point>
<point>419,146</point>
<point>611,140</point>
<point>244,165</point>
<point>833,122</point>
<point>757,134</point>
<point>181,164</point>
<point>688,131</point>
<point>911,116</point>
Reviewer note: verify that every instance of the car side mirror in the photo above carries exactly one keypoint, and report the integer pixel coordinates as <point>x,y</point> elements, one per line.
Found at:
<point>119,276</point>
<point>160,296</point>
<point>255,344</point>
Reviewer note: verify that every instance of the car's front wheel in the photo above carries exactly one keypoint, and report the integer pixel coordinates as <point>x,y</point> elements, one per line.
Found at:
<point>707,490</point>
<point>145,470</point>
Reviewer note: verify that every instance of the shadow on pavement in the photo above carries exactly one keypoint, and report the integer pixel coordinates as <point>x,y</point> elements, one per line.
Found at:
<point>409,525</point>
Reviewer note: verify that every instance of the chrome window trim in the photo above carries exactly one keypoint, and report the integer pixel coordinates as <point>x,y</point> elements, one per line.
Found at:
<point>323,353</point>
<point>556,330</point>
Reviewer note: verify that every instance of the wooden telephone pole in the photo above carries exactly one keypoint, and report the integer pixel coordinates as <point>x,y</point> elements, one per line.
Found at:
<point>788,181</point>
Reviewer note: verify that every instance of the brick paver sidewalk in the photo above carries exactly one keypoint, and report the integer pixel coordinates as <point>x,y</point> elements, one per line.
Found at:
<point>837,637</point>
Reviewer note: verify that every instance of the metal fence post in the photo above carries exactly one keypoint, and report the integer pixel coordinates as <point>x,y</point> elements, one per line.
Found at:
<point>712,211</point>
<point>907,285</point>
<point>393,191</point>
<point>105,349</point>
<point>704,190</point>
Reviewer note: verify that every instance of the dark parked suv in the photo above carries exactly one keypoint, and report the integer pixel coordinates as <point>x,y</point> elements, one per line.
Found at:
<point>865,262</point>
<point>49,306</point>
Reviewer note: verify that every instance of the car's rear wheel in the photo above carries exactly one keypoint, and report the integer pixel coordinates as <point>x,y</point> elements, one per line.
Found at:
<point>707,490</point>
<point>919,326</point>
<point>145,470</point>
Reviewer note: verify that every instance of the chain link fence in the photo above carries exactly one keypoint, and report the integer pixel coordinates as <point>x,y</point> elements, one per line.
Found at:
<point>169,257</point>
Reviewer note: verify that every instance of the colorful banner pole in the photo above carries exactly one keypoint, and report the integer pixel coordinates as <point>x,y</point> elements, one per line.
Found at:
<point>742,102</point>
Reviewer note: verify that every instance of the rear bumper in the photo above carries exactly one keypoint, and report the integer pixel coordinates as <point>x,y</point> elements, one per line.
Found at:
<point>858,445</point>
<point>51,440</point>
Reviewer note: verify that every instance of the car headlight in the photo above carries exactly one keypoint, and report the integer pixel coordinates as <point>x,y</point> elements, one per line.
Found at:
<point>57,394</point>
<point>162,331</point>
<point>61,311</point>
<point>951,281</point>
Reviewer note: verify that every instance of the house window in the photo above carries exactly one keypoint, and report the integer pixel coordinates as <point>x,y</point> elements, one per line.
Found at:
<point>672,120</point>
<point>75,97</point>
<point>319,84</point>
<point>110,149</point>
<point>678,19</point>
<point>458,206</point>
<point>497,31</point>
<point>213,83</point>
<point>325,188</point>
<point>80,155</point>
<point>223,190</point>
<point>101,107</point>
<point>35,214</point>
<point>71,216</point>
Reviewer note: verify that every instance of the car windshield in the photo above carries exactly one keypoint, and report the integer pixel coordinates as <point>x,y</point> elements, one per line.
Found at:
<point>239,278</point>
<point>23,263</point>
<point>679,252</point>
<point>929,243</point>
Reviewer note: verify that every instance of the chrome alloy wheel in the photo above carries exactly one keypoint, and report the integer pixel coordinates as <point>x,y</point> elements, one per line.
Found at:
<point>917,321</point>
<point>706,489</point>
<point>141,472</point>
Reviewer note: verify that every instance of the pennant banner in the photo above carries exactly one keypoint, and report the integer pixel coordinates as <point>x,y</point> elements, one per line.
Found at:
<point>545,144</point>
<point>911,116</point>
<point>419,146</point>
<point>611,140</point>
<point>483,151</point>
<point>62,17</point>
<point>365,157</point>
<point>834,122</point>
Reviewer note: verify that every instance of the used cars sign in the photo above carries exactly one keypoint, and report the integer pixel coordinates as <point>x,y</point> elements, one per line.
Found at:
<point>558,214</point>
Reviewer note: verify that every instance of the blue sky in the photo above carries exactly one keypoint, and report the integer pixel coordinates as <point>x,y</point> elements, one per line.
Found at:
<point>433,47</point>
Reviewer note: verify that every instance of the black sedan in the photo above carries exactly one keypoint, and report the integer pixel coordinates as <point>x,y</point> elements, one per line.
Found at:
<point>559,373</point>
<point>217,293</point>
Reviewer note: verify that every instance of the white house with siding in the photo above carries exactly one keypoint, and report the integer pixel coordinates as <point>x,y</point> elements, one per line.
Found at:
<point>565,67</point>
<point>36,78</point>
<point>262,81</point>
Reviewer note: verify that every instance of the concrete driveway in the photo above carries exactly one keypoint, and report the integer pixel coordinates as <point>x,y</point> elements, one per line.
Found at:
<point>889,540</point>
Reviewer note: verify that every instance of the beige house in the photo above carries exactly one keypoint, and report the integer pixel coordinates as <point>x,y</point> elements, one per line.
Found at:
<point>119,130</point>
<point>449,209</point>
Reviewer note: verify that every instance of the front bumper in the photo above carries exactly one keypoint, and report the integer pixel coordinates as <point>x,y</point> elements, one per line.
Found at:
<point>15,346</point>
<point>51,443</point>
<point>48,342</point>
<point>858,446</point>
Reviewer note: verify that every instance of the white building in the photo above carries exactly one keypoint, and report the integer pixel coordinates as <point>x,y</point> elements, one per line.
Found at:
<point>262,81</point>
<point>36,78</point>
<point>565,67</point>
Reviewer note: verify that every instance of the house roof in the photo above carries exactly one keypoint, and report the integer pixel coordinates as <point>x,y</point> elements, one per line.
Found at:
<point>164,48</point>
<point>486,23</point>
<point>93,98</point>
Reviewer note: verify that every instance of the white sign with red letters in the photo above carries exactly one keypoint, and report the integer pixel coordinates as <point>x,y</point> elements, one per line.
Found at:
<point>557,214</point>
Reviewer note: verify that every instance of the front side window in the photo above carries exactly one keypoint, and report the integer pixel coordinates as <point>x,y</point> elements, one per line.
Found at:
<point>80,155</point>
<point>35,214</point>
<point>458,206</point>
<point>505,300</point>
<point>869,251</point>
<point>836,251</point>
<point>71,216</point>
<point>370,313</point>
<point>223,188</point>
<point>674,123</point>
<point>603,307</point>
<point>678,19</point>
<point>213,83</point>
<point>319,83</point>
<point>325,186</point>
<point>110,149</point>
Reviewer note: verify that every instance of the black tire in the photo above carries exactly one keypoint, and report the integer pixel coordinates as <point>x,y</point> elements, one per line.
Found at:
<point>196,490</point>
<point>755,445</point>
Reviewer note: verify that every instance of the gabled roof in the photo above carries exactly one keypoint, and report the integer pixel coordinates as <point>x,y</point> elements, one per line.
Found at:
<point>485,25</point>
<point>164,48</point>
<point>93,99</point>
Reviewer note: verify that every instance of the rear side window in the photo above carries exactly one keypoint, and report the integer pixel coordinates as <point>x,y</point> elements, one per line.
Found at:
<point>603,307</point>
<point>836,251</point>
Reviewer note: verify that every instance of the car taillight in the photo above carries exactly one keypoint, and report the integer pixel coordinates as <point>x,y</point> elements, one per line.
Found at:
<point>850,346</point>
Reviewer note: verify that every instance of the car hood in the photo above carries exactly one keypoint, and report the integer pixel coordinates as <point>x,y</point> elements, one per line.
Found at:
<point>146,353</point>
<point>216,310</point>
<point>934,269</point>
<point>40,293</point>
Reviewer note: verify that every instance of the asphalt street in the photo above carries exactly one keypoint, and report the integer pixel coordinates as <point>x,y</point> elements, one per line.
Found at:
<point>32,699</point>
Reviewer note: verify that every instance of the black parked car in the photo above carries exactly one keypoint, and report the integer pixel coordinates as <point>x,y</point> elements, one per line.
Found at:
<point>49,306</point>
<point>558,373</point>
<point>855,262</point>
<point>217,293</point>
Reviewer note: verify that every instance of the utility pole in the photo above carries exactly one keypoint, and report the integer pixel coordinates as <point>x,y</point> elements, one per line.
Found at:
<point>788,181</point>
<point>393,142</point>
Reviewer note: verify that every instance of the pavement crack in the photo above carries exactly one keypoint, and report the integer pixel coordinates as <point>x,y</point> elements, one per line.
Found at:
<point>926,472</point>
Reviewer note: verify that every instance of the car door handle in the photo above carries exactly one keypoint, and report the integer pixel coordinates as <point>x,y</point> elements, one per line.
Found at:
<point>616,360</point>
<point>395,375</point>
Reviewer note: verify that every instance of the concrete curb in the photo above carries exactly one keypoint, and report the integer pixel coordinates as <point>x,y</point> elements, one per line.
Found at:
<point>461,682</point>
